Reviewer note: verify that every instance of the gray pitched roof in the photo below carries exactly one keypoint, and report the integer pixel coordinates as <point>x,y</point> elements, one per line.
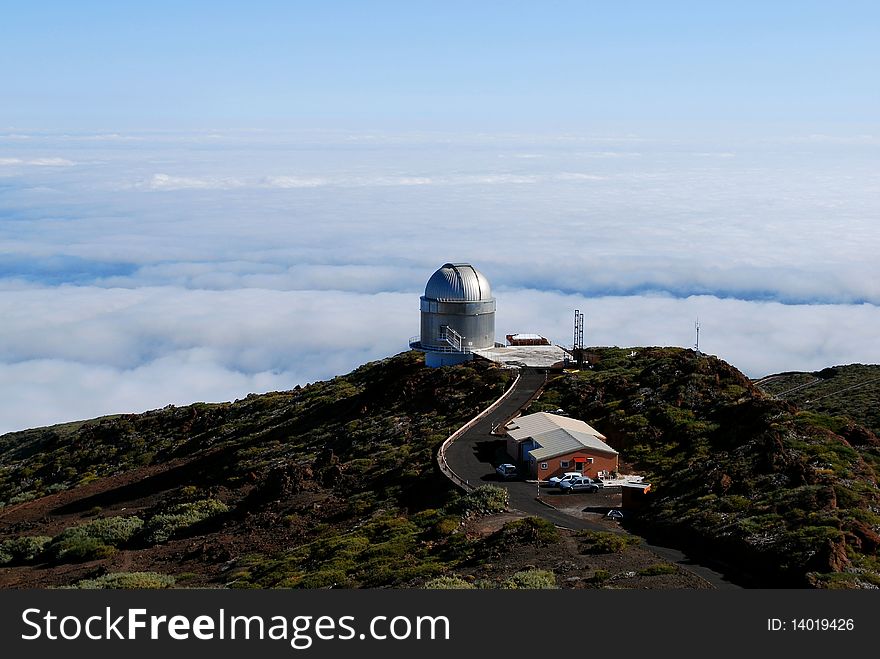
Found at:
<point>557,435</point>
<point>534,424</point>
<point>562,441</point>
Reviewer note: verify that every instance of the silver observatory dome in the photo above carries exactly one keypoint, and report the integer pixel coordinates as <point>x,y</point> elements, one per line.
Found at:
<point>458,315</point>
<point>458,282</point>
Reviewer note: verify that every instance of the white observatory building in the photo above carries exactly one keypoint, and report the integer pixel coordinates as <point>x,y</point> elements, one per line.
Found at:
<point>458,315</point>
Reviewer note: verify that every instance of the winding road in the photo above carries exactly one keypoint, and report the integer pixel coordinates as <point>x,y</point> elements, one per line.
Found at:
<point>470,458</point>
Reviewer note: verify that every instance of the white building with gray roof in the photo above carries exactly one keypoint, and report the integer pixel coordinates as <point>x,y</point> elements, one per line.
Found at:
<point>551,444</point>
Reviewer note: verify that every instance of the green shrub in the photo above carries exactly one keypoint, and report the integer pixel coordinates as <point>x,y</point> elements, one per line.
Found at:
<point>189,491</point>
<point>532,529</point>
<point>605,542</point>
<point>94,540</point>
<point>448,583</point>
<point>79,549</point>
<point>484,500</point>
<point>833,580</point>
<point>659,568</point>
<point>399,573</point>
<point>22,497</point>
<point>324,579</point>
<point>112,530</point>
<point>426,518</point>
<point>185,576</point>
<point>601,575</point>
<point>23,549</point>
<point>531,580</point>
<point>128,581</point>
<point>447,526</point>
<point>734,504</point>
<point>359,465</point>
<point>163,526</point>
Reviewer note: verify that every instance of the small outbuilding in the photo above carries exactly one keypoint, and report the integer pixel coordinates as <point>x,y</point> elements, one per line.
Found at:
<point>550,445</point>
<point>634,495</point>
<point>527,340</point>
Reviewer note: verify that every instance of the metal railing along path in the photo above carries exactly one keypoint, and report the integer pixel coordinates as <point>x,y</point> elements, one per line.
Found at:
<point>441,453</point>
<point>415,343</point>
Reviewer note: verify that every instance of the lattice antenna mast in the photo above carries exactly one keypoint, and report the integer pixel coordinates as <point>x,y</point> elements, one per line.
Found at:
<point>697,344</point>
<point>578,345</point>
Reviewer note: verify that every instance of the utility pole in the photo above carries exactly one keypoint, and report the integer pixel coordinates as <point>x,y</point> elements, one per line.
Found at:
<point>578,345</point>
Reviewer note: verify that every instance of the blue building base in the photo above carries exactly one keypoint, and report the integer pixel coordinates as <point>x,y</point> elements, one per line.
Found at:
<point>437,359</point>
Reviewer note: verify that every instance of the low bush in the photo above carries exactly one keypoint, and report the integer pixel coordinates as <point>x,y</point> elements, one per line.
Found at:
<point>601,575</point>
<point>605,542</point>
<point>484,500</point>
<point>163,526</point>
<point>531,580</point>
<point>23,549</point>
<point>81,549</point>
<point>22,498</point>
<point>833,580</point>
<point>324,579</point>
<point>189,492</point>
<point>532,529</point>
<point>398,573</point>
<point>447,526</point>
<point>448,583</point>
<point>128,581</point>
<point>425,519</point>
<point>94,540</point>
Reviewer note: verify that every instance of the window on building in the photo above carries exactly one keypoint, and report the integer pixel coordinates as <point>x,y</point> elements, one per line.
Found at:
<point>590,460</point>
<point>543,465</point>
<point>563,464</point>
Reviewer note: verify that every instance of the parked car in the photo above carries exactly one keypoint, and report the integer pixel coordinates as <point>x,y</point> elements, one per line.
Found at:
<point>554,481</point>
<point>580,484</point>
<point>506,471</point>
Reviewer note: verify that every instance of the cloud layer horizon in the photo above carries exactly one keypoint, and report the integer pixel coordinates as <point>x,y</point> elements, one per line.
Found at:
<point>139,270</point>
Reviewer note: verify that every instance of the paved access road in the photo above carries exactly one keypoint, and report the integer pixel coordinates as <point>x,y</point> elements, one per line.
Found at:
<point>471,455</point>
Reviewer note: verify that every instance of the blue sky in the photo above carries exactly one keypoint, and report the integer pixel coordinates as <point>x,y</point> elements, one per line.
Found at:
<point>202,200</point>
<point>450,65</point>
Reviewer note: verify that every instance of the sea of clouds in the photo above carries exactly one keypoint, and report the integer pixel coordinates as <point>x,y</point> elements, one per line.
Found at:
<point>142,269</point>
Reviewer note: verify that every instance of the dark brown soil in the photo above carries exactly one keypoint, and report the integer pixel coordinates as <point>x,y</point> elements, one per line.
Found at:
<point>196,561</point>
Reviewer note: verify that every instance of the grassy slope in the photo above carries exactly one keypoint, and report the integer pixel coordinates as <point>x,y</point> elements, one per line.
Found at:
<point>334,483</point>
<point>851,391</point>
<point>385,416</point>
<point>780,492</point>
<point>329,485</point>
<point>299,466</point>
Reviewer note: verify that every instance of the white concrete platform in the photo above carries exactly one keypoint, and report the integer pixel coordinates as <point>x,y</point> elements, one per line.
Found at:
<point>536,356</point>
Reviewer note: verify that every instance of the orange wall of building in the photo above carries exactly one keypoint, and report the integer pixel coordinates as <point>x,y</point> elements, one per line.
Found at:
<point>601,462</point>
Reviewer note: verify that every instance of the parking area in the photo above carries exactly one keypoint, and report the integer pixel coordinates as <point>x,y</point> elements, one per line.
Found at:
<point>585,505</point>
<point>590,507</point>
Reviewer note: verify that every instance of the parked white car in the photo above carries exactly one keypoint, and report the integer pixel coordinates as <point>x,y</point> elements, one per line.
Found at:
<point>581,484</point>
<point>554,481</point>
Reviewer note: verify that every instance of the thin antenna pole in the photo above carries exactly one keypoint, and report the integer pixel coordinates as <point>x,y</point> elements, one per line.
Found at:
<point>697,326</point>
